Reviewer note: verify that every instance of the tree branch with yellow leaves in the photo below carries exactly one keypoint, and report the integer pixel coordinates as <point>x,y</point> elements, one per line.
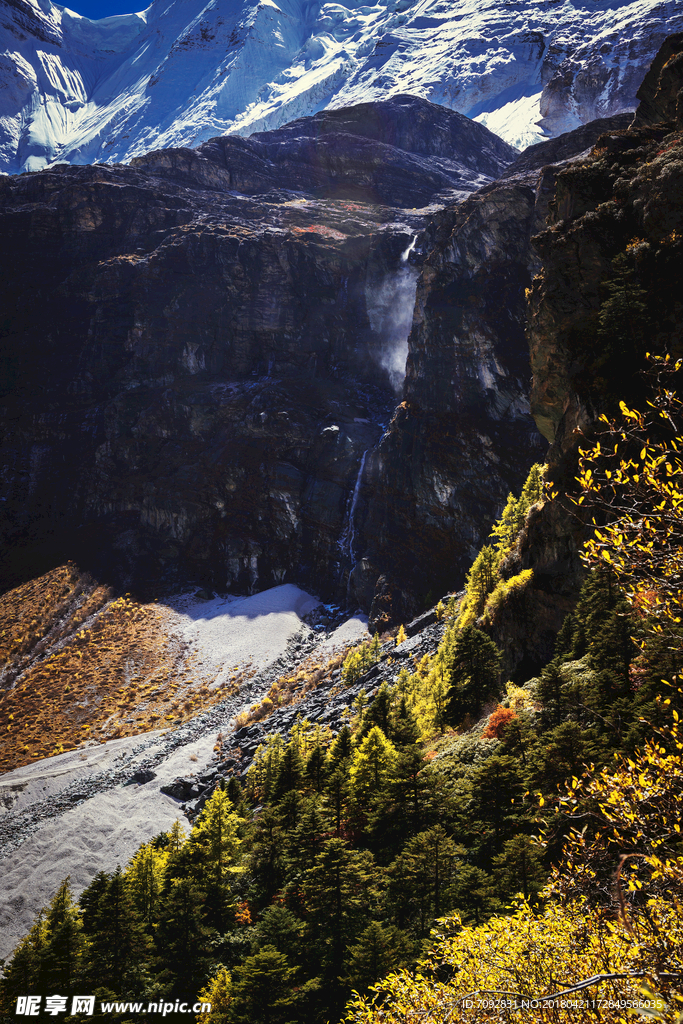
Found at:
<point>631,480</point>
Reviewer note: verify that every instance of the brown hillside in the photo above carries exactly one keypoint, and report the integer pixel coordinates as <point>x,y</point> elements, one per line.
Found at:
<point>80,666</point>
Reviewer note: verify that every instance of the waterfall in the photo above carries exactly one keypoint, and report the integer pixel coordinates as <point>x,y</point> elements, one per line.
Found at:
<point>406,255</point>
<point>390,301</point>
<point>348,537</point>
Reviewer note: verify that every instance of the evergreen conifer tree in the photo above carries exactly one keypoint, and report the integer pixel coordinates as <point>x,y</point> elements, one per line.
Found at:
<point>378,713</point>
<point>145,879</point>
<point>119,949</point>
<point>424,876</point>
<point>280,928</point>
<point>267,854</point>
<point>182,939</point>
<point>474,667</point>
<point>341,749</point>
<point>341,893</point>
<point>90,900</point>
<point>378,950</point>
<point>519,868</point>
<point>25,972</point>
<point>262,988</point>
<point>65,943</point>
<point>372,764</point>
<point>291,770</point>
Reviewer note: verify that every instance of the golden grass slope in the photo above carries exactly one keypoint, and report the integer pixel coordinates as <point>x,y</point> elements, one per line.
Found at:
<point>78,665</point>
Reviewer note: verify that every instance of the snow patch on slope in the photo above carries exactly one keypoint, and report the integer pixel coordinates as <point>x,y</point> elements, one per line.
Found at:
<point>106,829</point>
<point>227,633</point>
<point>516,121</point>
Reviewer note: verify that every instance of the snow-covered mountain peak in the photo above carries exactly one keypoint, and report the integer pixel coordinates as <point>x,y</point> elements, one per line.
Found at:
<point>184,71</point>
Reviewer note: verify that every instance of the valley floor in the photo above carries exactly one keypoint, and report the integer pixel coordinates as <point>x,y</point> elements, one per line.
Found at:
<point>79,812</point>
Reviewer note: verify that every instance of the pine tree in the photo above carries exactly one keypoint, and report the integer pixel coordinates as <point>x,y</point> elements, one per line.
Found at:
<point>267,855</point>
<point>551,691</point>
<point>378,950</point>
<point>315,768</point>
<point>145,879</point>
<point>291,770</point>
<point>404,731</point>
<point>474,667</point>
<point>519,868</point>
<point>472,894</point>
<point>625,325</point>
<point>337,792</point>
<point>341,749</point>
<point>90,900</point>
<point>119,948</point>
<point>65,943</point>
<point>236,796</point>
<point>341,892</point>
<point>280,928</point>
<point>262,988</point>
<point>182,939</point>
<point>25,972</point>
<point>372,764</point>
<point>495,804</point>
<point>289,809</point>
<point>307,836</point>
<point>378,713</point>
<point>424,875</point>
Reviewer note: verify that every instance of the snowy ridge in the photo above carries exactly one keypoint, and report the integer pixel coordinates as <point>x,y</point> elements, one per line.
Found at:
<point>186,70</point>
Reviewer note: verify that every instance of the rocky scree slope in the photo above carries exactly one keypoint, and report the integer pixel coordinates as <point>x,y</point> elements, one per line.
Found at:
<point>193,374</point>
<point>181,72</point>
<point>329,705</point>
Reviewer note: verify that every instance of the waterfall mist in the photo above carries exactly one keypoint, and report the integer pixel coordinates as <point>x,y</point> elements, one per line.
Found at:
<point>390,302</point>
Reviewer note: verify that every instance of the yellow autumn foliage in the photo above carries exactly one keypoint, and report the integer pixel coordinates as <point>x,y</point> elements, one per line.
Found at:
<point>577,956</point>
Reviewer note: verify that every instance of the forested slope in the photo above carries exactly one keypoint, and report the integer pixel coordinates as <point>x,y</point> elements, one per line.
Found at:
<point>536,820</point>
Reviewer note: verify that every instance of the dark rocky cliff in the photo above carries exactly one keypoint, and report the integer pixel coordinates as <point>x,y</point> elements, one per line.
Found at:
<point>201,383</point>
<point>610,289</point>
<point>463,437</point>
<point>192,374</point>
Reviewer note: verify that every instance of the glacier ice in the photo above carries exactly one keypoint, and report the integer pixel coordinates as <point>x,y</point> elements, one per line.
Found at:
<point>183,71</point>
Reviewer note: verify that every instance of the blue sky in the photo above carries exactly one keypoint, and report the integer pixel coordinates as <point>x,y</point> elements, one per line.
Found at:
<point>104,8</point>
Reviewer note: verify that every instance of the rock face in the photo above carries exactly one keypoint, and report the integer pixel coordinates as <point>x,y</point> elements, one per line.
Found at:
<point>185,71</point>
<point>614,230</point>
<point>201,383</point>
<point>406,153</point>
<point>463,437</point>
<point>193,374</point>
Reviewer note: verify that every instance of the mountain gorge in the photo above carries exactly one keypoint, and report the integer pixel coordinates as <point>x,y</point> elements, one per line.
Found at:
<point>353,355</point>
<point>217,363</point>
